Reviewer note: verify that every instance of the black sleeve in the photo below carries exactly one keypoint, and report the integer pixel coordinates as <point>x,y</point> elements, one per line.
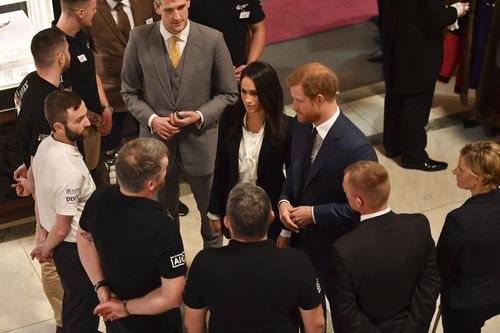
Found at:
<point>193,296</point>
<point>171,261</point>
<point>425,293</point>
<point>347,316</point>
<point>311,293</point>
<point>217,198</point>
<point>450,243</point>
<point>437,15</point>
<point>256,12</point>
<point>87,214</point>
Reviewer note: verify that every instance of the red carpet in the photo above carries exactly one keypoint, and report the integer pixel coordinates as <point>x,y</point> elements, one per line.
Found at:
<point>288,19</point>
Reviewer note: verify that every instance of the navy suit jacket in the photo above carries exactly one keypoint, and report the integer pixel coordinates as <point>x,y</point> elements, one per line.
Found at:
<point>344,145</point>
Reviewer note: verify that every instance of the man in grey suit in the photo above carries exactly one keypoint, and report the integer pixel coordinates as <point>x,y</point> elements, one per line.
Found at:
<point>177,78</point>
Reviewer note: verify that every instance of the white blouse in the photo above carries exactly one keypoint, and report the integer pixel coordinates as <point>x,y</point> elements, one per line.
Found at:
<point>248,154</point>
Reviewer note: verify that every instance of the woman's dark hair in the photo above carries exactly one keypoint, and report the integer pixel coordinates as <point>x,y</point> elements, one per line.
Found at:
<point>270,96</point>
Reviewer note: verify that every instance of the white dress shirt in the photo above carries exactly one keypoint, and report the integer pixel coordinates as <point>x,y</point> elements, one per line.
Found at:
<point>126,8</point>
<point>372,215</point>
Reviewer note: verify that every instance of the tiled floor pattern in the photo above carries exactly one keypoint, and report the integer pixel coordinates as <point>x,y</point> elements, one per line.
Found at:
<point>23,306</point>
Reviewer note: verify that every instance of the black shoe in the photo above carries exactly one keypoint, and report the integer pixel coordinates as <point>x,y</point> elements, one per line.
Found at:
<point>183,209</point>
<point>391,153</point>
<point>377,56</point>
<point>427,165</point>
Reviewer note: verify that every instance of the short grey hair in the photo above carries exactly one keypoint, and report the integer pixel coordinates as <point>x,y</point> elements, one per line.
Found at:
<point>138,162</point>
<point>248,210</point>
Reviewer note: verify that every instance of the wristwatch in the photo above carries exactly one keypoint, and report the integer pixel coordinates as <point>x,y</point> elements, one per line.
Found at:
<point>100,284</point>
<point>107,106</point>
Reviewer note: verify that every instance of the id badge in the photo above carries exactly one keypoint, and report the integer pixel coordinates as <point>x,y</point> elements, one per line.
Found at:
<point>82,58</point>
<point>244,15</point>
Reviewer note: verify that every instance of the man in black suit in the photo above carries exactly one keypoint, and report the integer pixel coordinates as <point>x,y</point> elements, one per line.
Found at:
<point>384,273</point>
<point>324,142</point>
<point>412,42</point>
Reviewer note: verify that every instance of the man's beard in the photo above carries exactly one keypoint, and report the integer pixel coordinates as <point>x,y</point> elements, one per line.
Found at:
<point>74,136</point>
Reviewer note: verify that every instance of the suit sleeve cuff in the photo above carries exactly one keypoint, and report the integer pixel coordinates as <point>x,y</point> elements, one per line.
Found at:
<point>150,122</point>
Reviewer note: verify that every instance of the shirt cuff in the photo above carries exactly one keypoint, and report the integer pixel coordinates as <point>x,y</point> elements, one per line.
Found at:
<point>285,233</point>
<point>455,26</point>
<point>284,200</point>
<point>199,124</point>
<point>312,213</point>
<point>213,216</point>
<point>150,122</point>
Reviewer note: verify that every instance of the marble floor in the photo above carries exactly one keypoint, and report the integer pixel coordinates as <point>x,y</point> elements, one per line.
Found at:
<point>23,306</point>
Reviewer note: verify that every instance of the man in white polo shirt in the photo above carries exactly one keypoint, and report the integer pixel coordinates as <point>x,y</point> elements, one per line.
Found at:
<point>62,186</point>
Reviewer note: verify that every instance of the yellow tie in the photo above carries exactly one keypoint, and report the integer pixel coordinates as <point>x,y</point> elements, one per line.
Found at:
<point>175,53</point>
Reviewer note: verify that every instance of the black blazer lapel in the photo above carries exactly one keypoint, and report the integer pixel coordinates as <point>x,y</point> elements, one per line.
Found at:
<point>264,155</point>
<point>299,143</point>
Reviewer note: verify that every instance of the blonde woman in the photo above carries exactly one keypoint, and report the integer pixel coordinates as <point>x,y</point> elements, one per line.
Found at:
<point>468,249</point>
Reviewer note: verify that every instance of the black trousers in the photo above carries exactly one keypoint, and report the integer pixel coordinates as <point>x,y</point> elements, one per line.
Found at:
<point>80,298</point>
<point>405,118</point>
<point>467,320</point>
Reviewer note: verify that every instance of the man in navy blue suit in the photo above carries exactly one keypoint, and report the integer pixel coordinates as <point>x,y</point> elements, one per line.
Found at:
<point>313,205</point>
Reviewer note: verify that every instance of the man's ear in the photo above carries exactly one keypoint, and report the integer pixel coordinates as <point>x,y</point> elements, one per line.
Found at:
<point>227,224</point>
<point>58,127</point>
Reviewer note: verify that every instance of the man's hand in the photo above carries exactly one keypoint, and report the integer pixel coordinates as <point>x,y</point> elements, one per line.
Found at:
<point>184,118</point>
<point>40,253</point>
<point>106,123</point>
<point>111,310</point>
<point>24,187</point>
<point>282,242</point>
<point>21,172</point>
<point>237,72</point>
<point>462,8</point>
<point>217,227</point>
<point>164,127</point>
<point>301,216</point>
<point>285,209</point>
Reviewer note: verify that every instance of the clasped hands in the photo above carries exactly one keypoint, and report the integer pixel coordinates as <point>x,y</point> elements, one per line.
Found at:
<point>462,8</point>
<point>295,218</point>
<point>168,126</point>
<point>24,185</point>
<point>41,253</point>
<point>110,307</point>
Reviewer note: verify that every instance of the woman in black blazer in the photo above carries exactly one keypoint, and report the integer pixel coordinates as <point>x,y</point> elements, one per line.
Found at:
<point>254,143</point>
<point>468,249</point>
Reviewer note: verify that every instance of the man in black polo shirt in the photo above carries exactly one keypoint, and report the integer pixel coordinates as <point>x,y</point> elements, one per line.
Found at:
<point>250,285</point>
<point>240,21</point>
<point>129,246</point>
<point>51,56</point>
<point>81,77</point>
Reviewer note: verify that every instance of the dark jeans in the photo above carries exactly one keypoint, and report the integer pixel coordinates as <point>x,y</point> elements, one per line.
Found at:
<point>79,298</point>
<point>467,320</point>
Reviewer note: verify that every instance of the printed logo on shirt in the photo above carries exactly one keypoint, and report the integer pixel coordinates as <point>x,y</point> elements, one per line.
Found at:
<point>241,7</point>
<point>72,195</point>
<point>318,286</point>
<point>178,260</point>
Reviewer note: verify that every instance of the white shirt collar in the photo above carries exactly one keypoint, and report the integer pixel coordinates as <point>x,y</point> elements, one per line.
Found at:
<point>324,128</point>
<point>183,35</point>
<point>61,146</point>
<point>112,3</point>
<point>372,215</point>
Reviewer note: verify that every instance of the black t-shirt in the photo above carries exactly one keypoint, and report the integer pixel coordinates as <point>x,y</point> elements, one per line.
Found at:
<point>138,244</point>
<point>81,76</point>
<point>252,287</point>
<point>32,126</point>
<point>231,17</point>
